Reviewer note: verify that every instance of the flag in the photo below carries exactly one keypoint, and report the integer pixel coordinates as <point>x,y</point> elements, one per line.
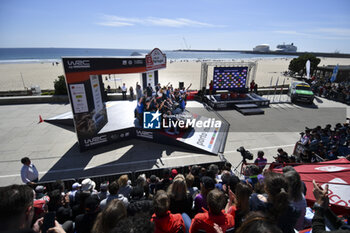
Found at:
<point>334,75</point>
<point>308,69</point>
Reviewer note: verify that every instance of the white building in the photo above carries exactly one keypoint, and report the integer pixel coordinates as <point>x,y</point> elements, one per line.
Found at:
<point>262,48</point>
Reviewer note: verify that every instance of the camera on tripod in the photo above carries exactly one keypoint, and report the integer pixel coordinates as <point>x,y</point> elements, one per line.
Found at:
<point>245,154</point>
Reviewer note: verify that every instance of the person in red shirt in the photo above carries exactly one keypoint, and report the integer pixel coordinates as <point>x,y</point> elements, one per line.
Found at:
<point>252,85</point>
<point>211,87</point>
<point>216,215</point>
<point>164,220</point>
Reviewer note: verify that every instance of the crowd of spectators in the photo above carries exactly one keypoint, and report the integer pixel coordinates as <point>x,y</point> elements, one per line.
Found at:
<point>323,144</point>
<point>203,200</point>
<point>334,91</point>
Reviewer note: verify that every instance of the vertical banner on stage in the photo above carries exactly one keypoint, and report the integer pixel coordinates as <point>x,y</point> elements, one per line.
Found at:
<point>96,92</point>
<point>150,77</point>
<point>89,110</point>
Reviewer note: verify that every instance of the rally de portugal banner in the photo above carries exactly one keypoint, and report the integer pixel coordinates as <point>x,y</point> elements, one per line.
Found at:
<point>336,174</point>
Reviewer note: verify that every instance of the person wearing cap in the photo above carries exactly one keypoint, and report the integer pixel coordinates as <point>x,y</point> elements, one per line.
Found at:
<point>75,188</point>
<point>40,193</point>
<point>215,215</point>
<point>200,201</point>
<point>173,173</point>
<point>88,185</point>
<point>29,173</point>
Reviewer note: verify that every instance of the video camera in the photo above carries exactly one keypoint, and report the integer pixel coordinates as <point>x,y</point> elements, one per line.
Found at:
<point>245,154</point>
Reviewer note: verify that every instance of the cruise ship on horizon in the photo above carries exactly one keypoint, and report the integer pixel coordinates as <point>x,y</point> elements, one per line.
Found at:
<point>289,48</point>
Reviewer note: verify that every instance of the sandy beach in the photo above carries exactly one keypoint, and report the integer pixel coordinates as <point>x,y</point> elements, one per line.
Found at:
<point>44,74</point>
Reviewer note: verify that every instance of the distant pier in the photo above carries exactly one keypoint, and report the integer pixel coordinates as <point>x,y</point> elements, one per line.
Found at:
<point>317,54</point>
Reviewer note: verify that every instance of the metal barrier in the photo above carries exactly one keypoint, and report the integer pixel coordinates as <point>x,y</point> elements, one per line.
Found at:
<point>133,175</point>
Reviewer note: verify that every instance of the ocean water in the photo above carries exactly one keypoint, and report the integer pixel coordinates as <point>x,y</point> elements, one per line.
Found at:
<point>29,55</point>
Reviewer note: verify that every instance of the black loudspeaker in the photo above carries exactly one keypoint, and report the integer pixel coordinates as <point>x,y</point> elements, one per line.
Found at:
<point>181,85</point>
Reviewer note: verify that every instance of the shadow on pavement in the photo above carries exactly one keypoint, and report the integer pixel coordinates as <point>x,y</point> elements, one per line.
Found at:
<point>141,155</point>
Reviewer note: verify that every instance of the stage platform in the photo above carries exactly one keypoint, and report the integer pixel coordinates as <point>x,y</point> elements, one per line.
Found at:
<point>123,125</point>
<point>216,102</point>
<point>249,109</point>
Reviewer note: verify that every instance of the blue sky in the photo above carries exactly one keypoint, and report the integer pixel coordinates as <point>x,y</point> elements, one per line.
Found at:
<point>322,26</point>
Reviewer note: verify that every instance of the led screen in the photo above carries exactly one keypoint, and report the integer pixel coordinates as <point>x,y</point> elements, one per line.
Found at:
<point>229,78</point>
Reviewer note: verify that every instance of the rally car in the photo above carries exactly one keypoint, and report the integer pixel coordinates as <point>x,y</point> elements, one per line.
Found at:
<point>301,91</point>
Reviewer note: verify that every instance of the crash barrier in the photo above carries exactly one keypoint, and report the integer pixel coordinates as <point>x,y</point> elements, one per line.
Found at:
<point>133,175</point>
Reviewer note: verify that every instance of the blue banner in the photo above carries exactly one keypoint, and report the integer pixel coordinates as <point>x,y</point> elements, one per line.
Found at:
<point>334,75</point>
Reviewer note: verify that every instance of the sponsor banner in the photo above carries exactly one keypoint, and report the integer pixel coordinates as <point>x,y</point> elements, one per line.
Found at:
<point>81,64</point>
<point>79,101</point>
<point>338,192</point>
<point>335,173</point>
<point>203,138</point>
<point>155,60</point>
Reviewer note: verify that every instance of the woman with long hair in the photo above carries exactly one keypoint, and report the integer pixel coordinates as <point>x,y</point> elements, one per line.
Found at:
<point>109,217</point>
<point>296,196</point>
<point>243,192</point>
<point>180,198</point>
<point>258,222</point>
<point>275,202</point>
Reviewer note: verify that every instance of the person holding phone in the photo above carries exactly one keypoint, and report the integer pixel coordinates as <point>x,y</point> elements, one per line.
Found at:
<point>17,211</point>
